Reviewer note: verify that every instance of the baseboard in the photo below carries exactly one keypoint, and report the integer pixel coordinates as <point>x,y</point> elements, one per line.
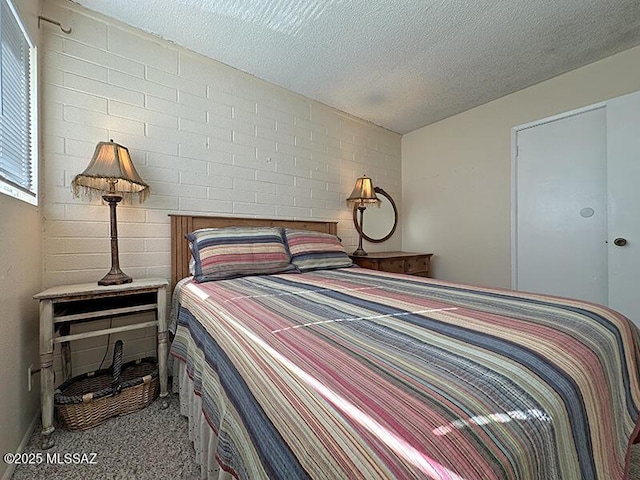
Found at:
<point>8,473</point>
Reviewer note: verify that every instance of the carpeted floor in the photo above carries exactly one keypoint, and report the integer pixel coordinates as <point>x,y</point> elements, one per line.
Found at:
<point>148,444</point>
<point>145,445</point>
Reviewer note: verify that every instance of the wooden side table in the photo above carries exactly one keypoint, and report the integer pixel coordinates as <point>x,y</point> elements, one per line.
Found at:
<point>66,304</point>
<point>396,262</point>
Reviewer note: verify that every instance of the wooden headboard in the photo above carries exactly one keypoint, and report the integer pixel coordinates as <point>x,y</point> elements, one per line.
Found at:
<point>183,224</point>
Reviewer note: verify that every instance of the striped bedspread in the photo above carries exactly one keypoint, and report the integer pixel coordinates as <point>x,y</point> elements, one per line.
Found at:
<point>352,373</point>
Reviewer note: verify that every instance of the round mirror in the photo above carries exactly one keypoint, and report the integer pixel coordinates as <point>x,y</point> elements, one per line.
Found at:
<point>379,222</point>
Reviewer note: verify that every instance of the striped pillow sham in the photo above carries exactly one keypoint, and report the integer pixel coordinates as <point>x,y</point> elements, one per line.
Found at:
<point>315,251</point>
<point>221,253</point>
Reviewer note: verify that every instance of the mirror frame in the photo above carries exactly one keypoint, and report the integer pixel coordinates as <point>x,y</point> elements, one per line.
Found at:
<point>378,191</point>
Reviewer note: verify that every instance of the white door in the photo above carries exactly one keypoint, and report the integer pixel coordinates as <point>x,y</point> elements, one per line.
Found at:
<point>561,207</point>
<point>576,228</point>
<point>623,183</point>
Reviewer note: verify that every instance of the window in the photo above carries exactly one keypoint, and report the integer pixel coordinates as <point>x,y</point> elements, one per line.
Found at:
<point>18,133</point>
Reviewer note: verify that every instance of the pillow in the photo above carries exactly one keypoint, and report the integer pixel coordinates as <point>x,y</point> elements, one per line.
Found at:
<point>231,252</point>
<point>315,251</point>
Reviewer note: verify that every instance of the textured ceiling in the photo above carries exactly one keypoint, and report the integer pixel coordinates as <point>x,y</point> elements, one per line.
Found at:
<point>401,64</point>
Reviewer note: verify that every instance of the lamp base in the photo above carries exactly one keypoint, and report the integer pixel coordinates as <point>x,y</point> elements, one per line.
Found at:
<point>115,278</point>
<point>115,275</point>
<point>359,253</point>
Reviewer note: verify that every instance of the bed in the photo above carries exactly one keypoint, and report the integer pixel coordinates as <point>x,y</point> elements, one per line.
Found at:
<point>351,373</point>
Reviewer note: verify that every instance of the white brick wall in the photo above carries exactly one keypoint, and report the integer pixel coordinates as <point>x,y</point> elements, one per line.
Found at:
<point>206,137</point>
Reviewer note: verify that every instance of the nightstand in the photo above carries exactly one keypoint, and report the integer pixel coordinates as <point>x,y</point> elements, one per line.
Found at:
<point>66,304</point>
<point>396,262</point>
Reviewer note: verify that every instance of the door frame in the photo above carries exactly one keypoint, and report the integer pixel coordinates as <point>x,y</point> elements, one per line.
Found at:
<point>514,176</point>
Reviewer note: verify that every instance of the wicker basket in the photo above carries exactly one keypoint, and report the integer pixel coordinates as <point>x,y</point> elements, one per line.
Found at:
<point>88,400</point>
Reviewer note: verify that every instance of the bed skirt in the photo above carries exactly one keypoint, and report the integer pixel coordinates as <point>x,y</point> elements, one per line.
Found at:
<point>204,439</point>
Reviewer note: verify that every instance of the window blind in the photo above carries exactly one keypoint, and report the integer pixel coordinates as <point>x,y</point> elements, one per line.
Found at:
<point>16,146</point>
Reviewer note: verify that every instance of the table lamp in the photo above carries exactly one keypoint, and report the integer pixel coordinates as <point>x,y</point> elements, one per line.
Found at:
<point>362,195</point>
<point>112,176</point>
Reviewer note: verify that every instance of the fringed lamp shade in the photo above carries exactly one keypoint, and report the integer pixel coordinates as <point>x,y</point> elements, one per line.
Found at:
<point>362,195</point>
<point>112,177</point>
<point>111,170</point>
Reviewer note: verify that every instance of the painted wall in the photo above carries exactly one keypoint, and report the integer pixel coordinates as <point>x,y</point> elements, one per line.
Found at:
<point>456,173</point>
<point>206,137</point>
<point>20,279</point>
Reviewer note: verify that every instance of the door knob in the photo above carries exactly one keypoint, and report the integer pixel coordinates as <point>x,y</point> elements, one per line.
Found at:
<point>620,242</point>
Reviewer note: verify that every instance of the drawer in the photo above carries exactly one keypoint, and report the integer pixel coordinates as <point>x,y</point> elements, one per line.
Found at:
<point>396,262</point>
<point>392,265</point>
<point>416,264</point>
